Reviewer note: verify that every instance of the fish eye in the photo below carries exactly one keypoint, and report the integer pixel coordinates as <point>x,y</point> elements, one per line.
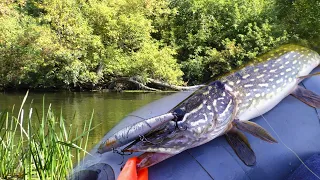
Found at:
<point>179,114</point>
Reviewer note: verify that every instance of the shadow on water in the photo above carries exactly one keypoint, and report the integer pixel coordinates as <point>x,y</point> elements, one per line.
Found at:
<point>109,107</point>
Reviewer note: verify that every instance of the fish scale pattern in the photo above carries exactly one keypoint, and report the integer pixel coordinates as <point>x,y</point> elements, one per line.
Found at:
<point>256,83</point>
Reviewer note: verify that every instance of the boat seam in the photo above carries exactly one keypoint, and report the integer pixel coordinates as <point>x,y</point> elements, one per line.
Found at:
<point>200,165</point>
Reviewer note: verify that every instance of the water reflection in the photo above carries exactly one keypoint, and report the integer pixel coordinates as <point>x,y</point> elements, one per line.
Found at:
<point>77,107</point>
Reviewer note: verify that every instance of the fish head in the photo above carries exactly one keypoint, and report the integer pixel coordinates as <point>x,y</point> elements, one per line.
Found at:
<point>209,110</point>
<point>203,116</point>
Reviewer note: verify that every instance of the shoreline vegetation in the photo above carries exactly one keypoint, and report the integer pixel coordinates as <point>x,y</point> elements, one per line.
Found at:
<point>39,146</point>
<point>95,45</point>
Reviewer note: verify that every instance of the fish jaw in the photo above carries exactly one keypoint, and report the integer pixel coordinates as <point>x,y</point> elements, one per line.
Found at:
<point>150,158</point>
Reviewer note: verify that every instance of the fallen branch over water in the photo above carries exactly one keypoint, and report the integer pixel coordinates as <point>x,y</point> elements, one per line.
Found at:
<point>173,87</point>
<point>119,84</point>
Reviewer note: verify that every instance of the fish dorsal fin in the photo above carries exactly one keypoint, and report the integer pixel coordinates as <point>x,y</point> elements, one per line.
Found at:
<point>241,146</point>
<point>308,97</point>
<point>254,129</point>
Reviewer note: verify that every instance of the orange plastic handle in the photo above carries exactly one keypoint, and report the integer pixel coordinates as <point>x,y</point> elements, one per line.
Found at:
<point>129,171</point>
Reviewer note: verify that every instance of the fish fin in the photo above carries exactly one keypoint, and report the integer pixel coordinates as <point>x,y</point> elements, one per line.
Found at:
<point>241,146</point>
<point>306,96</point>
<point>255,130</point>
<point>309,75</point>
<point>148,159</point>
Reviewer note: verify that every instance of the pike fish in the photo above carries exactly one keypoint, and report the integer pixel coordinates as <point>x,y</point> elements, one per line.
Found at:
<point>225,106</point>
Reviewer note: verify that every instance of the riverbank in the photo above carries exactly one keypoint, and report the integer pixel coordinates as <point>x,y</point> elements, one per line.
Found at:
<point>53,90</point>
<point>118,85</point>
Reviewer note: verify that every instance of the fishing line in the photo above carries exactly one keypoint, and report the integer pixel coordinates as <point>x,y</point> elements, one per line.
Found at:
<point>137,116</point>
<point>144,139</point>
<point>288,146</point>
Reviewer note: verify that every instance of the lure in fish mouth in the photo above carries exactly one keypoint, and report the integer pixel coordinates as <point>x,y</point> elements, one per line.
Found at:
<point>223,107</point>
<point>134,131</point>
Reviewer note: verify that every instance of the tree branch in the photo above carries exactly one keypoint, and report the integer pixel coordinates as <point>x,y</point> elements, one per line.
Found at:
<point>158,83</point>
<point>173,87</point>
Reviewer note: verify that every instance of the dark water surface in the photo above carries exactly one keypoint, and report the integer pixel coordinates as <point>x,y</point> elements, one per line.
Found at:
<point>109,107</point>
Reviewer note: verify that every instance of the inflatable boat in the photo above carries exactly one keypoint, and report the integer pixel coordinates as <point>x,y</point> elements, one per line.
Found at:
<point>294,124</point>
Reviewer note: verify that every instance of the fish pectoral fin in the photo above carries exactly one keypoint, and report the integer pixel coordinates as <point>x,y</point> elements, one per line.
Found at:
<point>255,130</point>
<point>241,146</point>
<point>308,97</point>
<point>309,75</point>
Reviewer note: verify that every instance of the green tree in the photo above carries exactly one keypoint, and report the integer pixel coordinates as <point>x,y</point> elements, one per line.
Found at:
<point>87,43</point>
<point>214,36</point>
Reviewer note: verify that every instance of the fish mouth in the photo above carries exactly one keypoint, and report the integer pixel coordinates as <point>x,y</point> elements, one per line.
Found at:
<point>131,147</point>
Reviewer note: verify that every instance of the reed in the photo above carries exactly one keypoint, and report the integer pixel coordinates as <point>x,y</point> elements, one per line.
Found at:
<point>39,146</point>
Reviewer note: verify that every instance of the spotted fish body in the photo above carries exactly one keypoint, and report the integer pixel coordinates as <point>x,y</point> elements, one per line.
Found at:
<point>260,87</point>
<point>216,109</point>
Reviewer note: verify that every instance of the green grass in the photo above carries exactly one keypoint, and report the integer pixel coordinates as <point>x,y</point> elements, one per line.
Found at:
<point>39,146</point>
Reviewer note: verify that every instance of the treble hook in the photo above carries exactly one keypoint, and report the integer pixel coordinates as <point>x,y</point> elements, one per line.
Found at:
<point>180,128</point>
<point>122,167</point>
<point>144,139</point>
<point>121,153</point>
<point>178,116</point>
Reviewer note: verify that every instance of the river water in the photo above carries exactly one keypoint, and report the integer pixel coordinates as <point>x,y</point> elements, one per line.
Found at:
<point>77,107</point>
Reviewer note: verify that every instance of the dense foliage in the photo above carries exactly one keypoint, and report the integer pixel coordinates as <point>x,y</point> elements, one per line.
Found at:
<point>88,43</point>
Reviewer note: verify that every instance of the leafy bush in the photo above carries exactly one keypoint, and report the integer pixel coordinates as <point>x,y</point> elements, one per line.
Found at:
<point>78,43</point>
